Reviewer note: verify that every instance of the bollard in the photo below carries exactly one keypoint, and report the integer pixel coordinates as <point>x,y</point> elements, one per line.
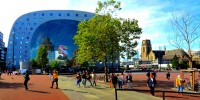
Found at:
<point>163,95</point>
<point>115,94</point>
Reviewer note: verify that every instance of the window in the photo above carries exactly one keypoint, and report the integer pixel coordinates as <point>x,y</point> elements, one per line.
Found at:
<point>42,14</point>
<point>41,19</point>
<point>27,19</point>
<point>76,15</point>
<point>68,14</point>
<point>27,42</point>
<point>59,14</point>
<point>25,51</point>
<point>31,28</point>
<point>85,15</point>
<point>27,37</point>
<point>51,14</point>
<point>34,14</point>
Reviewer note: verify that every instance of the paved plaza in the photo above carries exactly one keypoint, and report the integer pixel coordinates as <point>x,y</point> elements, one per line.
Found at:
<point>12,88</point>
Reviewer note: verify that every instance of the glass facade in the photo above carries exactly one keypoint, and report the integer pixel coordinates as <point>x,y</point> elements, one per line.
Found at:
<point>30,29</point>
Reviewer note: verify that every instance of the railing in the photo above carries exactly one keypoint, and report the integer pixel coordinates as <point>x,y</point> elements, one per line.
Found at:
<point>163,92</point>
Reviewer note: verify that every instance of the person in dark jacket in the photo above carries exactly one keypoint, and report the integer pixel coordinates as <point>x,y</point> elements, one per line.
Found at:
<point>151,83</point>
<point>26,79</point>
<point>129,81</point>
<point>84,79</point>
<point>114,80</point>
<point>168,75</point>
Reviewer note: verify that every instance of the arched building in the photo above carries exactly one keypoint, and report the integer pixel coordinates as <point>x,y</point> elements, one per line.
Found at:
<point>30,29</point>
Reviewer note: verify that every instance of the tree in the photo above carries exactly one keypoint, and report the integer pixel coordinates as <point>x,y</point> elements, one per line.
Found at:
<point>33,62</point>
<point>175,63</point>
<point>48,44</point>
<point>168,66</point>
<point>104,37</point>
<point>41,57</point>
<point>185,28</point>
<point>54,64</point>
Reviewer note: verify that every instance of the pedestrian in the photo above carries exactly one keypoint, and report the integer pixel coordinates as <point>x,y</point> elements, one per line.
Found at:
<point>94,77</point>
<point>78,79</point>
<point>168,75</point>
<point>148,74</point>
<point>114,80</point>
<point>154,74</point>
<point>84,79</point>
<point>88,78</point>
<point>111,83</point>
<point>129,81</point>
<point>10,72</point>
<point>0,73</point>
<point>151,83</point>
<point>55,79</point>
<point>26,79</point>
<point>119,79</point>
<point>180,84</point>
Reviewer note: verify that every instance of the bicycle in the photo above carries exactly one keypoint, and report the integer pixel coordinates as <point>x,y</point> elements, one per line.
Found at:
<point>187,85</point>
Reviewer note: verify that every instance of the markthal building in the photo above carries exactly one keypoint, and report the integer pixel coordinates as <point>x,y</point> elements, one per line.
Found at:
<point>29,31</point>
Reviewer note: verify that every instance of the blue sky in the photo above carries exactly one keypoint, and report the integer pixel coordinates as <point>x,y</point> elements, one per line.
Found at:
<point>153,15</point>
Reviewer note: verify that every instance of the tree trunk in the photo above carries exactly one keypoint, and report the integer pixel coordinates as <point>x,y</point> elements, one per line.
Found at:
<point>106,70</point>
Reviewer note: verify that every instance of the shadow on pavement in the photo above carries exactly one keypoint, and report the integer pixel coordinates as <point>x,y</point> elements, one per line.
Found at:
<point>68,89</point>
<point>38,91</point>
<point>81,91</point>
<point>11,85</point>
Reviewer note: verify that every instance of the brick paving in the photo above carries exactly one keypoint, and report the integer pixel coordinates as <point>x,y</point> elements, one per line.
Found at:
<point>12,88</point>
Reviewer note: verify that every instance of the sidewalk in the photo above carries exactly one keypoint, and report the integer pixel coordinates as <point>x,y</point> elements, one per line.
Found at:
<point>99,92</point>
<point>12,88</point>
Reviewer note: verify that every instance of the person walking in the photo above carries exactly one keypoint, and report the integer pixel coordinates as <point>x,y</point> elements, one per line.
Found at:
<point>119,79</point>
<point>94,77</point>
<point>0,73</point>
<point>168,75</point>
<point>88,78</point>
<point>114,80</point>
<point>129,81</point>
<point>151,83</point>
<point>55,79</point>
<point>84,79</point>
<point>78,79</point>
<point>179,84</point>
<point>26,79</point>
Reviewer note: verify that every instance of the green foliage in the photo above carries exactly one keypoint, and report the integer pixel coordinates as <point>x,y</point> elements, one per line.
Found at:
<point>168,66</point>
<point>54,64</point>
<point>41,57</point>
<point>33,62</point>
<point>183,65</point>
<point>69,63</point>
<point>48,44</point>
<point>104,37</point>
<point>175,63</point>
